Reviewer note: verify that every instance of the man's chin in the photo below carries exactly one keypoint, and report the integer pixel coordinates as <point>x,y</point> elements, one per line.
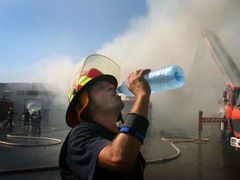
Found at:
<point>118,108</point>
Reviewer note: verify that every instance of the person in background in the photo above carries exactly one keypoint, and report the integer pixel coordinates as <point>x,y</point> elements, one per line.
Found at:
<point>10,117</point>
<point>26,118</point>
<point>36,123</point>
<point>95,148</point>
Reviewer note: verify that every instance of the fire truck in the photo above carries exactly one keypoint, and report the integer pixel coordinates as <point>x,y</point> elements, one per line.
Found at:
<point>230,119</point>
<point>232,114</point>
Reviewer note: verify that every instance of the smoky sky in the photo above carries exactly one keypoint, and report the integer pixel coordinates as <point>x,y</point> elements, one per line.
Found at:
<point>170,33</point>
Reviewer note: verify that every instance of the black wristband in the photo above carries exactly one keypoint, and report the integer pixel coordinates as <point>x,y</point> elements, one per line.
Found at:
<point>136,122</point>
<point>133,132</point>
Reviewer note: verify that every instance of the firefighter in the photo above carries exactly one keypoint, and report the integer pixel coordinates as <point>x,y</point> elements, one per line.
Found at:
<point>26,118</point>
<point>36,123</point>
<point>95,148</point>
<point>10,117</point>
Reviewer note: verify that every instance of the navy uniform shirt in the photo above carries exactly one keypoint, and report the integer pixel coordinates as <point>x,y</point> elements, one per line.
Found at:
<point>79,154</point>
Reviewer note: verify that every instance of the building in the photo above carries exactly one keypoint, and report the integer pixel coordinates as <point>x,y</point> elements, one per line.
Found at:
<point>33,96</point>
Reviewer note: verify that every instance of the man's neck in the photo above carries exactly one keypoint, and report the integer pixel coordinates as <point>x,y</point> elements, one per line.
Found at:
<point>107,120</point>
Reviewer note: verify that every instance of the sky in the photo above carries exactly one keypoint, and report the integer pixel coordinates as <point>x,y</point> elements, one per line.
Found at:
<point>46,40</point>
<point>31,31</point>
<point>42,38</point>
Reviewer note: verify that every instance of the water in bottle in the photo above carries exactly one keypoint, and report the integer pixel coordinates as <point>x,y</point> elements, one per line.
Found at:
<point>164,78</point>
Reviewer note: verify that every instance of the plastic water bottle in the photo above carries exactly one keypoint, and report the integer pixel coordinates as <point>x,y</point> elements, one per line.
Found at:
<point>164,78</point>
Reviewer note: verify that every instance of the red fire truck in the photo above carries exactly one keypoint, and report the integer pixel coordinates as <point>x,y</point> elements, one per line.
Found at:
<point>230,120</point>
<point>232,114</point>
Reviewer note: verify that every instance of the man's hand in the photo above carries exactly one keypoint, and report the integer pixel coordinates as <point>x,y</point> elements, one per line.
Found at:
<point>137,84</point>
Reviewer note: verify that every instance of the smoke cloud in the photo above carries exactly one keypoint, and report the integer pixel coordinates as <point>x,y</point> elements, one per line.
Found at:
<point>56,73</point>
<point>170,33</point>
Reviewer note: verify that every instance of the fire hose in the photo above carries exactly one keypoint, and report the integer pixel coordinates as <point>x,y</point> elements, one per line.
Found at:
<point>178,152</point>
<point>172,141</point>
<point>52,141</point>
<point>27,170</point>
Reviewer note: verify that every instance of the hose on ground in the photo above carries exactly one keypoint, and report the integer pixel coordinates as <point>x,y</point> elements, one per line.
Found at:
<point>27,170</point>
<point>50,141</point>
<point>178,152</point>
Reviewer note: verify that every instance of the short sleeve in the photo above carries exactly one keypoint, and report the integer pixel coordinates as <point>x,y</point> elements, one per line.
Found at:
<point>84,145</point>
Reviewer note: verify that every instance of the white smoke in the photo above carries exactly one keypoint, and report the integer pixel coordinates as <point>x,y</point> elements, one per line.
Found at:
<point>170,33</point>
<point>56,73</point>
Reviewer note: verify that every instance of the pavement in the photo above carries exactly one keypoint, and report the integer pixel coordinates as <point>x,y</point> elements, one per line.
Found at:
<point>214,159</point>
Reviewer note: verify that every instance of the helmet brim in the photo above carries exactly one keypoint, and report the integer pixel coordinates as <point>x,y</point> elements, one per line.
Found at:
<point>71,114</point>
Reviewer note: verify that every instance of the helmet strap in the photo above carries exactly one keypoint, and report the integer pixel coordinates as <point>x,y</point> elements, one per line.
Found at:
<point>84,101</point>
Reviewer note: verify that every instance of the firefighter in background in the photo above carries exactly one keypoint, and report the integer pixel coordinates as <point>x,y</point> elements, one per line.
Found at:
<point>10,117</point>
<point>39,123</point>
<point>26,118</point>
<point>36,123</point>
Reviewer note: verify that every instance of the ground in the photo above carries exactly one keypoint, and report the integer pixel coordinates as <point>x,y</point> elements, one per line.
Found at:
<point>212,160</point>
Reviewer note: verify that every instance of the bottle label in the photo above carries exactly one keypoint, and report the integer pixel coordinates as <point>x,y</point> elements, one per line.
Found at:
<point>155,73</point>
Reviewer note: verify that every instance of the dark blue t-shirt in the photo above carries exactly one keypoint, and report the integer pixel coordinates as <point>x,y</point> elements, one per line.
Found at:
<point>79,154</point>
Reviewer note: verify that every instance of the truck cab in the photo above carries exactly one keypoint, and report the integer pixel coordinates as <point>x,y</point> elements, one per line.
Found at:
<point>232,114</point>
